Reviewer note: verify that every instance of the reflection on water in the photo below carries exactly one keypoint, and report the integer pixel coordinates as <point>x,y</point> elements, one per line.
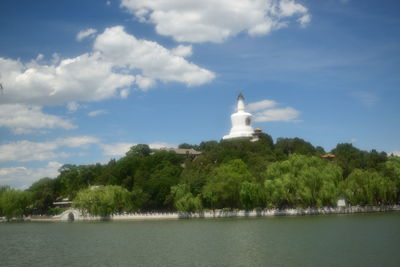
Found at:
<point>343,240</point>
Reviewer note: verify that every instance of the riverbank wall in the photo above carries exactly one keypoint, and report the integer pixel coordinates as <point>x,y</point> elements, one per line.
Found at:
<point>76,215</point>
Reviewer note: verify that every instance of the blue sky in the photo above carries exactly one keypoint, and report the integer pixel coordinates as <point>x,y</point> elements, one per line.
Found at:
<point>84,80</point>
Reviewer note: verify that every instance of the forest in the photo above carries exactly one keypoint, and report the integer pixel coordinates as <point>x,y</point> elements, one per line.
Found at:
<point>232,174</point>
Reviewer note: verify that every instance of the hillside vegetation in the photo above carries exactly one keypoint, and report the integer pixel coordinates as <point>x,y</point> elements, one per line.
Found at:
<point>235,174</point>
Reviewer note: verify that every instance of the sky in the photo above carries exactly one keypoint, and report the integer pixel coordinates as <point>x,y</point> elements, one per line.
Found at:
<point>82,81</point>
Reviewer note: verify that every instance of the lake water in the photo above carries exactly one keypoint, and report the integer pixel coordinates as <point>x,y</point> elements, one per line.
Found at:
<point>334,240</point>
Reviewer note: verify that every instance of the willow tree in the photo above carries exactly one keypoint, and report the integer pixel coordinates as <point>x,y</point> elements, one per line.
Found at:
<point>302,181</point>
<point>223,186</point>
<point>14,203</point>
<point>184,201</point>
<point>369,188</point>
<point>103,201</point>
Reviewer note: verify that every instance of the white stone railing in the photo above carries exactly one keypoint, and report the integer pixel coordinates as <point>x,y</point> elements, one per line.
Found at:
<point>78,216</point>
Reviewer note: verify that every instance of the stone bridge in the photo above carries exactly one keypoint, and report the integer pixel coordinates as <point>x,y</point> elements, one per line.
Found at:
<point>71,215</point>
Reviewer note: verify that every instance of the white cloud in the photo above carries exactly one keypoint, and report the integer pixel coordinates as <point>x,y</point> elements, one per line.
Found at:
<point>279,114</point>
<point>117,149</point>
<point>73,106</point>
<point>22,177</point>
<point>154,61</point>
<point>125,92</point>
<point>83,78</point>
<point>77,141</point>
<point>24,151</point>
<point>39,57</point>
<point>182,51</point>
<point>159,145</point>
<point>144,83</point>
<point>107,71</point>
<point>304,20</point>
<point>85,33</point>
<point>23,119</point>
<point>256,106</point>
<point>266,110</point>
<point>216,21</point>
<point>95,113</point>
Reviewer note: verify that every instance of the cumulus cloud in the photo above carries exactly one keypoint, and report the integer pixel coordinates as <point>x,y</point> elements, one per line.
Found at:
<point>117,149</point>
<point>95,113</point>
<point>279,114</point>
<point>267,110</point>
<point>155,61</point>
<point>263,104</point>
<point>85,33</point>
<point>24,151</point>
<point>73,106</point>
<point>117,60</point>
<point>182,51</point>
<point>83,78</point>
<point>216,21</point>
<point>77,141</point>
<point>24,119</point>
<point>22,177</point>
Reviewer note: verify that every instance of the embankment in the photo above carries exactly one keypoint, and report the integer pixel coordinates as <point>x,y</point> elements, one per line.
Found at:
<point>76,215</point>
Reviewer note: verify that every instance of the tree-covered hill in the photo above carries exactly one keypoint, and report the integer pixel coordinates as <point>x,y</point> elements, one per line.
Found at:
<point>228,174</point>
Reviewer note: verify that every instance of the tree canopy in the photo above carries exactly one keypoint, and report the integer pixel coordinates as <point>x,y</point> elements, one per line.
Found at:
<point>235,174</point>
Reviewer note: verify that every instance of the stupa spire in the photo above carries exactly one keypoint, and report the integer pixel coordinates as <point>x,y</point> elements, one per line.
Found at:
<point>240,102</point>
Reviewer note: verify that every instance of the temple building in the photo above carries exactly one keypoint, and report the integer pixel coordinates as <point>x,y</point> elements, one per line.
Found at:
<point>241,122</point>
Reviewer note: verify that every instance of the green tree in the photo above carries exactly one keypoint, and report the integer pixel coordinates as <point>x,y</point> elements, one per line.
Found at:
<point>368,188</point>
<point>302,181</point>
<point>223,186</point>
<point>43,194</point>
<point>188,146</point>
<point>158,186</point>
<point>348,158</point>
<point>14,203</point>
<point>288,146</point>
<point>393,171</point>
<point>184,201</point>
<point>139,149</point>
<point>252,195</point>
<point>104,200</point>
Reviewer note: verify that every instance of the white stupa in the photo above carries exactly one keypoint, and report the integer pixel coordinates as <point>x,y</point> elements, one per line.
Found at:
<point>241,122</point>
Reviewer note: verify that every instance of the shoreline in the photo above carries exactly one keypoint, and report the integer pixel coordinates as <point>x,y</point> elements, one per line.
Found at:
<point>78,216</point>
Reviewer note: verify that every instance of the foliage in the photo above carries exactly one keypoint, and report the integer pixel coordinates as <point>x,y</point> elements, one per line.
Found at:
<point>103,201</point>
<point>223,187</point>
<point>184,200</point>
<point>13,203</point>
<point>56,210</point>
<point>252,195</point>
<point>393,172</point>
<point>369,188</point>
<point>302,181</point>
<point>140,149</point>
<point>349,158</point>
<point>43,195</point>
<point>296,145</point>
<point>228,174</point>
